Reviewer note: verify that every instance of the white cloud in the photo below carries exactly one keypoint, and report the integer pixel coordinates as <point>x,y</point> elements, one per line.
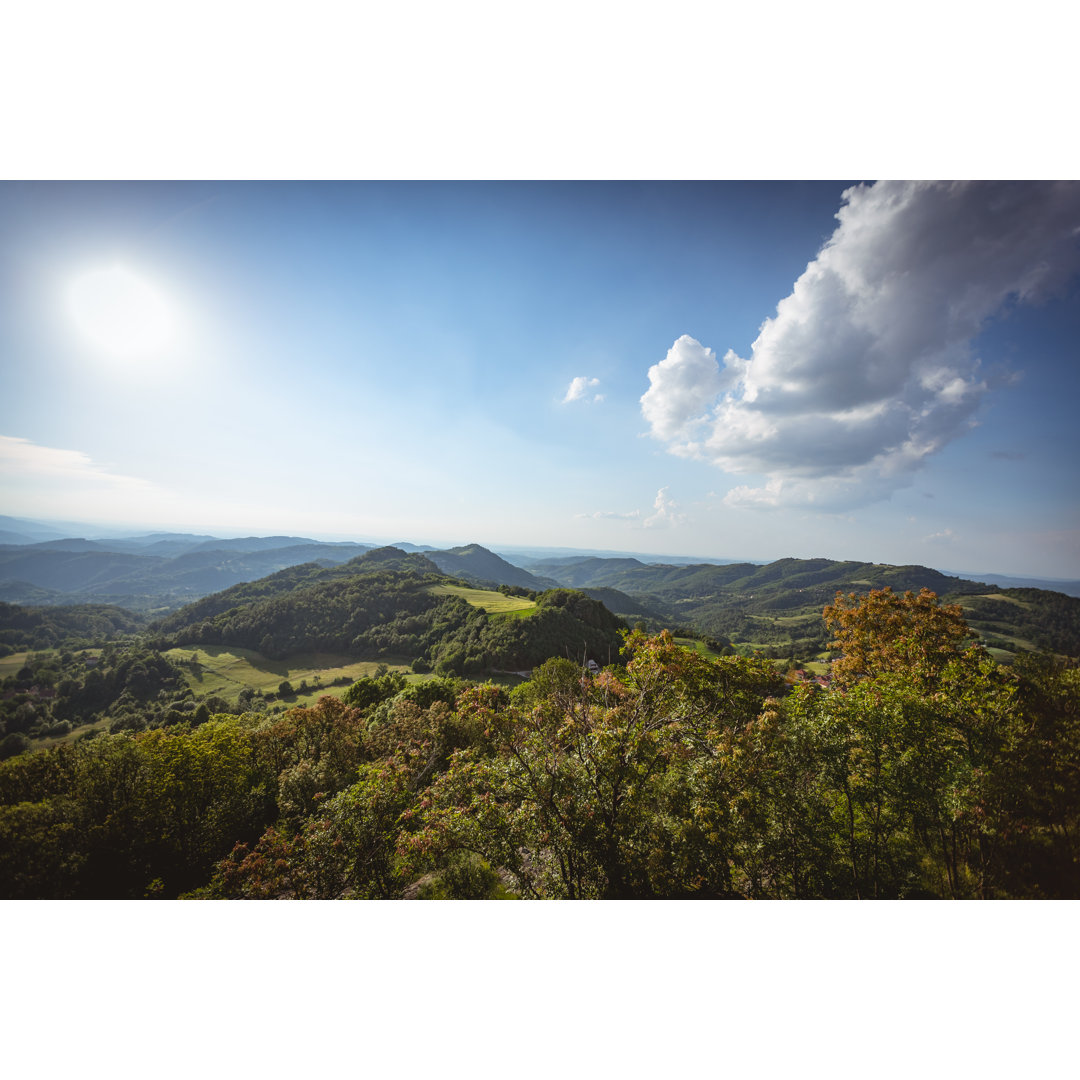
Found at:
<point>681,388</point>
<point>53,483</point>
<point>46,480</point>
<point>866,369</point>
<point>666,515</point>
<point>579,388</point>
<point>611,515</point>
<point>943,537</point>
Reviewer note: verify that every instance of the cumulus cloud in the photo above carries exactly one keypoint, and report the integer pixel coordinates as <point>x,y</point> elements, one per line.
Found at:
<point>867,367</point>
<point>666,515</point>
<point>579,388</point>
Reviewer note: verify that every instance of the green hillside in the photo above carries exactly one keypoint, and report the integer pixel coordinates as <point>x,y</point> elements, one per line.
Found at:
<point>777,607</point>
<point>387,603</point>
<point>494,603</point>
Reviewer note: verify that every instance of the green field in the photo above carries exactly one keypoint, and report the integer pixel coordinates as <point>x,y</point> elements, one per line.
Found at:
<point>966,601</point>
<point>227,671</point>
<point>10,665</point>
<point>789,620</point>
<point>698,647</point>
<point>494,603</point>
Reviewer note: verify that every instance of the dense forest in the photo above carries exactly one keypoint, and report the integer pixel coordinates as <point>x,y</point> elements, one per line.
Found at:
<point>383,604</point>
<point>76,627</point>
<point>922,769</point>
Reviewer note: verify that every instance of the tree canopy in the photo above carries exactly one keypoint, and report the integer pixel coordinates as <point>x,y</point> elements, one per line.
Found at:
<point>926,769</point>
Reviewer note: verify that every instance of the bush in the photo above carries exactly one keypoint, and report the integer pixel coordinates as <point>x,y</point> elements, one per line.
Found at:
<point>13,744</point>
<point>468,877</point>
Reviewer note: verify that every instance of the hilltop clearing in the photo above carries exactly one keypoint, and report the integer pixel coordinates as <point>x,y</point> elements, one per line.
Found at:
<point>494,603</point>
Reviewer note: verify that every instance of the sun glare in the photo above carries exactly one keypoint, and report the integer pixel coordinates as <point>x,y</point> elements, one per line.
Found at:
<point>121,313</point>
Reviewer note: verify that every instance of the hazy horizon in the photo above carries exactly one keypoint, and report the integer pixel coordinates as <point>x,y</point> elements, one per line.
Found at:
<point>104,531</point>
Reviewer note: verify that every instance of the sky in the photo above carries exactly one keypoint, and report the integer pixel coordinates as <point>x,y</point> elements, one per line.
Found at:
<point>747,370</point>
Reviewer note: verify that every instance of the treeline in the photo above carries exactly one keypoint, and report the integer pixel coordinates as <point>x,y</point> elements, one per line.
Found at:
<point>78,627</point>
<point>926,770</point>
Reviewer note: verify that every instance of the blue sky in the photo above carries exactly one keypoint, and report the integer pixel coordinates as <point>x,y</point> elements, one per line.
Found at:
<point>588,365</point>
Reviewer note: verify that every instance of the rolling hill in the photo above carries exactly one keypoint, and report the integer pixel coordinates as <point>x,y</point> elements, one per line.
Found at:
<point>777,607</point>
<point>387,603</point>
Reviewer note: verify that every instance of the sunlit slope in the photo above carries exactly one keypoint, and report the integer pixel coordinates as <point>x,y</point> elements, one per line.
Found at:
<point>216,671</point>
<point>494,603</point>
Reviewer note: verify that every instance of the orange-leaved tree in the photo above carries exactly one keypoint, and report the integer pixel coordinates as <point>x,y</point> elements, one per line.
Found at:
<point>884,631</point>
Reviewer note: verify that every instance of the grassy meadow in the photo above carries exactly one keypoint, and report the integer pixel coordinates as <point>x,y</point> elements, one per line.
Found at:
<point>698,647</point>
<point>10,665</point>
<point>494,603</point>
<point>226,671</point>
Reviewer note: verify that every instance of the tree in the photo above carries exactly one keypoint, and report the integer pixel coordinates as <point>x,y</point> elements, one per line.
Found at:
<point>885,632</point>
<point>608,787</point>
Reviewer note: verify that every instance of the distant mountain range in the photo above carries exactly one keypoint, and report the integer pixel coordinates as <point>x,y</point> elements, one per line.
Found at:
<point>765,604</point>
<point>151,573</point>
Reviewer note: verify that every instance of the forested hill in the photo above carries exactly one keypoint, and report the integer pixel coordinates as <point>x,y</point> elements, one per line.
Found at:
<point>390,604</point>
<point>294,578</point>
<point>476,564</point>
<point>780,582</point>
<point>777,607</point>
<point>74,627</point>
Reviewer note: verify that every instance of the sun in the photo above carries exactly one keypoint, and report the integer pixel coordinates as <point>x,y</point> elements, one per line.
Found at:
<point>121,313</point>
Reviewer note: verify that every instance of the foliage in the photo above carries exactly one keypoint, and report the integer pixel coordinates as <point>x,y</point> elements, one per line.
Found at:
<point>884,632</point>
<point>56,691</point>
<point>107,818</point>
<point>580,797</point>
<point>76,627</point>
<point>925,770</point>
